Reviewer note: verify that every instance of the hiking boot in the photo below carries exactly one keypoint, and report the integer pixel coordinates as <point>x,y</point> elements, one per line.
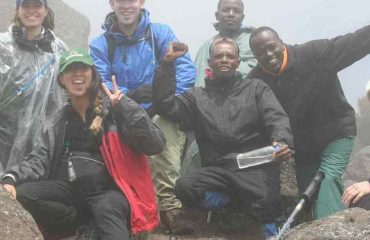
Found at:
<point>177,222</point>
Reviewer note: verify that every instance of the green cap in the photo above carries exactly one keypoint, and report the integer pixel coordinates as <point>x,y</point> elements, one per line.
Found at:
<point>77,55</point>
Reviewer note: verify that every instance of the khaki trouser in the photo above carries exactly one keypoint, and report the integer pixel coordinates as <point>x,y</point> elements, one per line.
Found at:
<point>166,166</point>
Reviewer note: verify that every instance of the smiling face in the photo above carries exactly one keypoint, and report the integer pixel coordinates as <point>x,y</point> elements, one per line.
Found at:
<point>127,11</point>
<point>268,49</point>
<point>76,79</point>
<point>224,59</point>
<point>230,15</point>
<point>32,14</point>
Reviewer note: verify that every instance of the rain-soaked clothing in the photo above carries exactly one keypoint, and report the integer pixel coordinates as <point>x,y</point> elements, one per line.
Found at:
<point>128,135</point>
<point>229,116</point>
<point>192,159</point>
<point>135,57</point>
<point>28,89</point>
<point>322,120</point>
<point>134,62</point>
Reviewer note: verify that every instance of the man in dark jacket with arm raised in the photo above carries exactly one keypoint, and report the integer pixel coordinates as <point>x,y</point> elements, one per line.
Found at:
<point>229,116</point>
<point>304,79</point>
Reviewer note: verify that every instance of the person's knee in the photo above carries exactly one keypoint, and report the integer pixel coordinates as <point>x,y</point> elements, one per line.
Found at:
<point>183,190</point>
<point>112,204</point>
<point>26,194</point>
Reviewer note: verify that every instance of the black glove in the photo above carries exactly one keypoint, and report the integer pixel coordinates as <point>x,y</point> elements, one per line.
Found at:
<point>143,94</point>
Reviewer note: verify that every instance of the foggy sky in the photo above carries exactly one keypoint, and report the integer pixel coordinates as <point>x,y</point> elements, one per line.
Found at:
<point>296,21</point>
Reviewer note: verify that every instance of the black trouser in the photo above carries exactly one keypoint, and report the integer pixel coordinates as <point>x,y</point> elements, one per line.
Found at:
<point>255,189</point>
<point>58,208</point>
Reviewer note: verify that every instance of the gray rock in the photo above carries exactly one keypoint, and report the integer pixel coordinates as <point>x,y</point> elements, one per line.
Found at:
<point>16,223</point>
<point>350,224</point>
<point>358,169</point>
<point>71,26</point>
<point>288,179</point>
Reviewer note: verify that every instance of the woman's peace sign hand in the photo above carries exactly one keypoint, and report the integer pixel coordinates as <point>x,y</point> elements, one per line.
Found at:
<point>116,95</point>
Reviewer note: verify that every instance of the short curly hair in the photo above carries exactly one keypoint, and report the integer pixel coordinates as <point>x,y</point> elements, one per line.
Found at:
<point>223,40</point>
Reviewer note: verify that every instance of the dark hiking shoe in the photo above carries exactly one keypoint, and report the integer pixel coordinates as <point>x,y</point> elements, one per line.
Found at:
<point>177,222</point>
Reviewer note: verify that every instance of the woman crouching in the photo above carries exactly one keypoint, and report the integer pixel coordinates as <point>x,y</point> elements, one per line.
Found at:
<point>89,162</point>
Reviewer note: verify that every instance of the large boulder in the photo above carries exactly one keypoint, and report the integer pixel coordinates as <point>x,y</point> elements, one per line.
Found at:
<point>358,169</point>
<point>16,223</point>
<point>349,224</point>
<point>71,26</point>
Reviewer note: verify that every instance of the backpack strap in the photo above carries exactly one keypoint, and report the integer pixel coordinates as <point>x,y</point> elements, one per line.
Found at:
<point>111,46</point>
<point>148,37</point>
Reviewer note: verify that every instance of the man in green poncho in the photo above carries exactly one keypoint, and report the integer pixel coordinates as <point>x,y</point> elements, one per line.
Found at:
<point>229,16</point>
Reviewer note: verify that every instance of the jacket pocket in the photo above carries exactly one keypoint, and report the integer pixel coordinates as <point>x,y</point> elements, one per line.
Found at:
<point>91,175</point>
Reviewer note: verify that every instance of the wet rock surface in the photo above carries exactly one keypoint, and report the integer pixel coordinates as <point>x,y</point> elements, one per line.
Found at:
<point>350,224</point>
<point>16,223</point>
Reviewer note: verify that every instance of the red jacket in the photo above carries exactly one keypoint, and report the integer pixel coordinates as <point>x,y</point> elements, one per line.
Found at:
<point>132,175</point>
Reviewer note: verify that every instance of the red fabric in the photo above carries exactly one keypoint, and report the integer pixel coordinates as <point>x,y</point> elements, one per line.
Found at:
<point>132,175</point>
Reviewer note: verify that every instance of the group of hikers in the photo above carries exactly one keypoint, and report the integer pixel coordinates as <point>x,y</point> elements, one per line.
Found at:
<point>76,127</point>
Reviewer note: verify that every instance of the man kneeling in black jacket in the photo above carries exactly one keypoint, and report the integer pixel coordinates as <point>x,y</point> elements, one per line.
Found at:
<point>229,116</point>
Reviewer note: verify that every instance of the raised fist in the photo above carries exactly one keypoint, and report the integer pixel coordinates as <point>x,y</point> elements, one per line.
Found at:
<point>175,50</point>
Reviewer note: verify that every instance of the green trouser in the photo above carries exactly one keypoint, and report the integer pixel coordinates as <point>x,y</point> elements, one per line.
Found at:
<point>191,159</point>
<point>334,160</point>
<point>166,165</point>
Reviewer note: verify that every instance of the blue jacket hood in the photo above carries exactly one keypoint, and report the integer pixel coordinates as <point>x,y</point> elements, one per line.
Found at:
<point>110,27</point>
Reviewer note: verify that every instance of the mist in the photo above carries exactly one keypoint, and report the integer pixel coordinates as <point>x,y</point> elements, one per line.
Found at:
<point>295,21</point>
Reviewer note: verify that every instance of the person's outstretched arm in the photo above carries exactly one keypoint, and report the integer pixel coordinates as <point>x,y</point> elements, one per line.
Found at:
<point>180,109</point>
<point>340,52</point>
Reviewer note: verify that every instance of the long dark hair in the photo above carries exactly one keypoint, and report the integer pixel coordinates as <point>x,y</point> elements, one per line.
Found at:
<point>47,23</point>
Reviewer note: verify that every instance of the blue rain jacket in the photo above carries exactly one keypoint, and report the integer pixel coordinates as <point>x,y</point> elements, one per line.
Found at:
<point>135,57</point>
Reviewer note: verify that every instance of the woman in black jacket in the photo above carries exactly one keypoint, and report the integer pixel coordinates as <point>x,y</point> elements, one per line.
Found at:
<point>67,177</point>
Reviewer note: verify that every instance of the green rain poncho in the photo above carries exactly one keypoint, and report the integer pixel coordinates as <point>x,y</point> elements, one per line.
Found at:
<point>247,60</point>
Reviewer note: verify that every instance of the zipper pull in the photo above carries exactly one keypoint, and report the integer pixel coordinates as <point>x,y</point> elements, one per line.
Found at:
<point>71,172</point>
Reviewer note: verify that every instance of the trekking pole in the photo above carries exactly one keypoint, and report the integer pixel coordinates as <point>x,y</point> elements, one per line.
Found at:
<point>306,196</point>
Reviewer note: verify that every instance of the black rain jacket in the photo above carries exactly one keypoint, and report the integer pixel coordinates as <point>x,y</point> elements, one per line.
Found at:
<point>229,116</point>
<point>311,94</point>
<point>132,122</point>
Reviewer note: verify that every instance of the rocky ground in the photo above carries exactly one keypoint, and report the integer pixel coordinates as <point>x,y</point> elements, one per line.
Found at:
<point>350,224</point>
<point>238,226</point>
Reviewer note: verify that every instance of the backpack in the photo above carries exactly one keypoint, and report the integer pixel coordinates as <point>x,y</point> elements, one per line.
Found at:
<point>149,37</point>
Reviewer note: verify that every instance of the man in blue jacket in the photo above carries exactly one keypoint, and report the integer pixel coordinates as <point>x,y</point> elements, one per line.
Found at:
<point>130,49</point>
